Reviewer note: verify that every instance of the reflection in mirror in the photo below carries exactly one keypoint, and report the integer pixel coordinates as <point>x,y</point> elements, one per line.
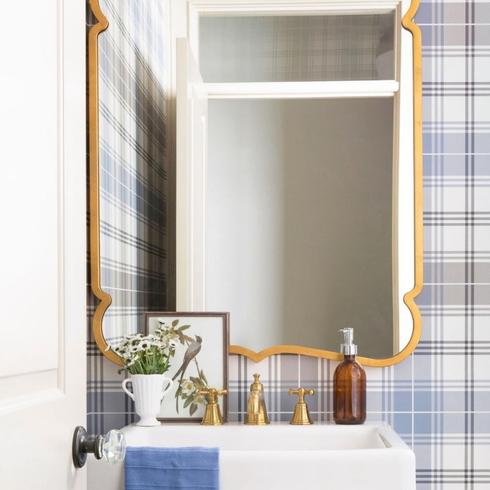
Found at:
<point>299,221</point>
<point>297,48</point>
<point>300,132</point>
<point>133,180</point>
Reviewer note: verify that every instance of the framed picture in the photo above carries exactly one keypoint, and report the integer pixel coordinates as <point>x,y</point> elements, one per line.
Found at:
<point>200,361</point>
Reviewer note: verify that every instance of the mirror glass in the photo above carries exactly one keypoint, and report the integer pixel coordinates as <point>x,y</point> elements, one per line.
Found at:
<point>133,176</point>
<point>299,221</point>
<point>297,47</point>
<point>304,205</point>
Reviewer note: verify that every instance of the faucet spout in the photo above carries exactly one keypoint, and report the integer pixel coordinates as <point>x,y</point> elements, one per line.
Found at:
<point>256,410</point>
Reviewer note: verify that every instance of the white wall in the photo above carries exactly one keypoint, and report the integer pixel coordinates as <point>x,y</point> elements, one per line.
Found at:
<point>299,217</point>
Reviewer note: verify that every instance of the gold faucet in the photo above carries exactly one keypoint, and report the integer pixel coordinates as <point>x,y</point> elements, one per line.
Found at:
<point>301,416</point>
<point>256,411</point>
<point>212,415</point>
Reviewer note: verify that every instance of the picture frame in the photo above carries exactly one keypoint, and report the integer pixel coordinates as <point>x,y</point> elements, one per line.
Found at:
<point>202,336</point>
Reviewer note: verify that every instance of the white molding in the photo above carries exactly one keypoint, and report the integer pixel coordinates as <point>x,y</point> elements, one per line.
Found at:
<point>406,185</point>
<point>190,182</point>
<point>302,90</point>
<point>281,7</point>
<point>32,400</point>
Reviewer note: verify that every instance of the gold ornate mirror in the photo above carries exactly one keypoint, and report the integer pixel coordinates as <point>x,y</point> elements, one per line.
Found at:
<point>298,183</point>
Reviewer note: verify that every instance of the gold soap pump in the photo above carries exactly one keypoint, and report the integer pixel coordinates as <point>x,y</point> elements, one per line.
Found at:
<point>256,411</point>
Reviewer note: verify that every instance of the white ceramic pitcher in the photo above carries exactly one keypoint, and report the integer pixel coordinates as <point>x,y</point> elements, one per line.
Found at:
<point>148,392</point>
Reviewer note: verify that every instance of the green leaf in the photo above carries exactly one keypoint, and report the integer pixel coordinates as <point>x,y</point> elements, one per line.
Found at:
<point>175,323</point>
<point>188,402</point>
<point>203,376</point>
<point>192,408</point>
<point>184,327</point>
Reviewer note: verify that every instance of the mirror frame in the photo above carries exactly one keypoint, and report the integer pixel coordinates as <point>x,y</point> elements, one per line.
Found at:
<point>105,299</point>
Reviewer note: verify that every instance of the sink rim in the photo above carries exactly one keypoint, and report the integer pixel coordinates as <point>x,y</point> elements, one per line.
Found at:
<point>145,436</point>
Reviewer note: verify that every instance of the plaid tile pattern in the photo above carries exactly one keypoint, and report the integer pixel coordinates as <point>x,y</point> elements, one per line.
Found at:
<point>439,398</point>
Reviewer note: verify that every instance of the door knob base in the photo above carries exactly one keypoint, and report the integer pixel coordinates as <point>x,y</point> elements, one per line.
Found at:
<point>84,444</point>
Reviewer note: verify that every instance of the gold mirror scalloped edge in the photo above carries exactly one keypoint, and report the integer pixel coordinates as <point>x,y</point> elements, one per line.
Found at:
<point>409,298</point>
<point>104,298</point>
<point>94,204</point>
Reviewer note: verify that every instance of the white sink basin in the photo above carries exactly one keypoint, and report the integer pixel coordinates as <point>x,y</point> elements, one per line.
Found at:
<point>285,457</point>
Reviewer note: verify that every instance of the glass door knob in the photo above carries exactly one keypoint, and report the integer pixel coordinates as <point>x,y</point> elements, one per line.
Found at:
<point>111,446</point>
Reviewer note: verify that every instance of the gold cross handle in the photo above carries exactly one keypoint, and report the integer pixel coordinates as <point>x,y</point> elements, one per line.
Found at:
<point>301,415</point>
<point>301,392</point>
<point>212,394</point>
<point>212,415</point>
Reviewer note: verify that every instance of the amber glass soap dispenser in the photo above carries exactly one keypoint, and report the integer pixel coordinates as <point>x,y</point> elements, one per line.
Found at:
<point>349,384</point>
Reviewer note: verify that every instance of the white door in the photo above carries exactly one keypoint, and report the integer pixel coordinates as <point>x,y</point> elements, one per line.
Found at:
<point>43,245</point>
<point>192,118</point>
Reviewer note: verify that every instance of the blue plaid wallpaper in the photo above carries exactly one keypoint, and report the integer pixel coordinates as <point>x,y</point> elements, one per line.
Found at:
<point>439,398</point>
